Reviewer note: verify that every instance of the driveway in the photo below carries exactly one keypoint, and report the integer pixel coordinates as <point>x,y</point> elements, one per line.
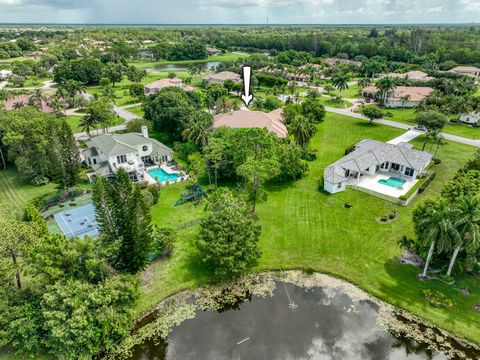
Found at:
<point>405,138</point>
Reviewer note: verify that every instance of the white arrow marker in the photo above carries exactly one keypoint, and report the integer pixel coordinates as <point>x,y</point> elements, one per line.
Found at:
<point>247,74</point>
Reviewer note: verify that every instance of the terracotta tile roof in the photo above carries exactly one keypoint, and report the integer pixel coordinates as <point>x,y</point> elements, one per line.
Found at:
<point>165,83</point>
<point>472,70</point>
<point>242,119</point>
<point>223,76</point>
<point>416,93</point>
<point>10,103</point>
<point>412,75</point>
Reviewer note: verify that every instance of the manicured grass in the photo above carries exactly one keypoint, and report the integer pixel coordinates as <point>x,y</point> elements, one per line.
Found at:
<point>350,93</point>
<point>14,192</point>
<point>305,228</point>
<point>407,116</point>
<point>75,120</point>
<point>137,110</point>
<point>334,104</point>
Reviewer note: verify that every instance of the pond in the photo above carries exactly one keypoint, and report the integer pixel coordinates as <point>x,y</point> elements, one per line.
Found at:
<point>206,66</point>
<point>295,323</point>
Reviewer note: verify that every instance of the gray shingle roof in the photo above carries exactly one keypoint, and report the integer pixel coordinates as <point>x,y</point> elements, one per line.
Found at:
<point>121,144</point>
<point>372,152</point>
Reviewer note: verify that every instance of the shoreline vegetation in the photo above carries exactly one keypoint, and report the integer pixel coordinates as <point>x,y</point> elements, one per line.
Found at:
<point>179,307</point>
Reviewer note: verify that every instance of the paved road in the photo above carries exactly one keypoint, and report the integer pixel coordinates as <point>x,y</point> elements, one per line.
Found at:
<point>456,138</point>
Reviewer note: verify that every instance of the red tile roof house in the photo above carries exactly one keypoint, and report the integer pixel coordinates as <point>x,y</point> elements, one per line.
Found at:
<point>223,76</point>
<point>158,85</point>
<point>243,119</point>
<point>10,103</point>
<point>467,70</point>
<point>401,96</point>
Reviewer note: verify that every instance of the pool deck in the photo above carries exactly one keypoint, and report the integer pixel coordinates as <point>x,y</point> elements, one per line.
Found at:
<point>370,182</point>
<point>168,170</point>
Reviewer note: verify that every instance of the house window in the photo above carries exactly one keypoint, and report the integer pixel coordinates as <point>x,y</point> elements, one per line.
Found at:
<point>339,186</point>
<point>409,171</point>
<point>395,167</point>
<point>122,159</point>
<point>145,148</point>
<point>89,161</point>
<point>347,173</point>
<point>94,161</point>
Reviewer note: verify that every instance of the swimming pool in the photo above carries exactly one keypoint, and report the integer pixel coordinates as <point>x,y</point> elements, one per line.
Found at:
<point>393,182</point>
<point>161,175</point>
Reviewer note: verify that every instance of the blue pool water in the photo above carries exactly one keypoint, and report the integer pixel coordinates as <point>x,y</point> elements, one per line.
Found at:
<point>161,175</point>
<point>392,182</point>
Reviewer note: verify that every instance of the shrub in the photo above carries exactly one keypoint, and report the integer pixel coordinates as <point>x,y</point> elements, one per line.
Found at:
<point>437,298</point>
<point>164,238</point>
<point>391,215</point>
<point>349,149</point>
<point>154,190</point>
<point>427,182</point>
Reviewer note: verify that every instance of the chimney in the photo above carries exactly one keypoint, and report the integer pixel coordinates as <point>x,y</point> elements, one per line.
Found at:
<point>144,131</point>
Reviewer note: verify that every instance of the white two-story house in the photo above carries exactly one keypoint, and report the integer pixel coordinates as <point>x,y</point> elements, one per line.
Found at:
<point>107,153</point>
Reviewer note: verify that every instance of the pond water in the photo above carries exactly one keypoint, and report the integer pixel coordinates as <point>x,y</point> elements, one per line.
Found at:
<point>324,324</point>
<point>206,66</point>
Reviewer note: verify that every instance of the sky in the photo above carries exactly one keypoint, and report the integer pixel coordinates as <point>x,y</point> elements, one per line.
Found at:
<point>240,11</point>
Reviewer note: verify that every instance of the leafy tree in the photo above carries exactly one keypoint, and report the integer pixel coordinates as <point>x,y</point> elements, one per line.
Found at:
<point>271,103</point>
<point>214,155</point>
<point>135,74</point>
<point>463,184</point>
<point>135,126</point>
<point>85,70</point>
<point>124,220</point>
<point>137,91</point>
<point>15,238</point>
<point>372,112</point>
<point>313,110</point>
<point>114,72</point>
<point>228,237</point>
<point>164,239</point>
<point>433,122</point>
<point>169,111</point>
<point>99,113</point>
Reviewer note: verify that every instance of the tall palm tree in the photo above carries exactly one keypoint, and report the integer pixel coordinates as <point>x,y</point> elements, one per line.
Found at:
<point>386,85</point>
<point>109,94</point>
<point>438,226</point>
<point>58,106</point>
<point>302,130</point>
<point>468,226</point>
<point>87,124</point>
<point>199,128</point>
<point>340,82</point>
<point>364,82</point>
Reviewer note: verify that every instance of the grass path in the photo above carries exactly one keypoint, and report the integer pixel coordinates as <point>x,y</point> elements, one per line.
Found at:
<point>303,228</point>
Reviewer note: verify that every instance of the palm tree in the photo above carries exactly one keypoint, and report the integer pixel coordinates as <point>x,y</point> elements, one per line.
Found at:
<point>199,128</point>
<point>87,124</point>
<point>364,82</point>
<point>109,94</point>
<point>340,82</point>
<point>468,226</point>
<point>58,106</point>
<point>386,85</point>
<point>302,130</point>
<point>292,88</point>
<point>438,226</point>
<point>18,105</point>
<point>37,98</point>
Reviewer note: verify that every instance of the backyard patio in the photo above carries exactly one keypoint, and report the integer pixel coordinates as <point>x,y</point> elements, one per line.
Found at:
<point>386,183</point>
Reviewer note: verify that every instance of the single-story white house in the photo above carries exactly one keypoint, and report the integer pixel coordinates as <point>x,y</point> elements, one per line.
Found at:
<point>401,96</point>
<point>5,74</point>
<point>106,153</point>
<point>374,162</point>
<point>470,118</point>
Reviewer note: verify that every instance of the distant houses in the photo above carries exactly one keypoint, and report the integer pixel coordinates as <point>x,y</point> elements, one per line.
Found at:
<point>472,118</point>
<point>213,51</point>
<point>471,71</point>
<point>221,77</point>
<point>133,152</point>
<point>5,74</point>
<point>412,75</point>
<point>158,85</point>
<point>24,100</point>
<point>400,96</point>
<point>244,119</point>
<point>337,61</point>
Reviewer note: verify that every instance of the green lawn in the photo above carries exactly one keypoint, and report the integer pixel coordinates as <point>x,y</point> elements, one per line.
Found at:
<point>75,120</point>
<point>350,93</point>
<point>137,110</point>
<point>407,116</point>
<point>14,192</point>
<point>339,105</point>
<point>304,228</point>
